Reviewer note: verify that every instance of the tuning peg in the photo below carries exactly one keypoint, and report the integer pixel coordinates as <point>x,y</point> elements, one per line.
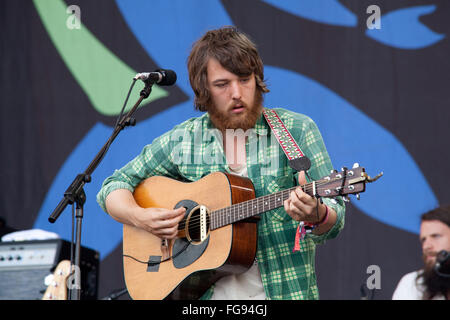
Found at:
<point>344,169</point>
<point>357,196</point>
<point>333,171</point>
<point>355,165</point>
<point>346,199</point>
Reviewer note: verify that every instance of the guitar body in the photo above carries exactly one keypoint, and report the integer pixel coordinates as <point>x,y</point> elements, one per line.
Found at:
<point>191,267</point>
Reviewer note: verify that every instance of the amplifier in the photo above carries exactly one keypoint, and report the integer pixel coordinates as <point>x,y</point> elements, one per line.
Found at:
<point>24,265</point>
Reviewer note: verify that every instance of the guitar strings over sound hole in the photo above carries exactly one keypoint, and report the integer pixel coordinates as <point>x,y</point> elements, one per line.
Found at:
<point>197,228</point>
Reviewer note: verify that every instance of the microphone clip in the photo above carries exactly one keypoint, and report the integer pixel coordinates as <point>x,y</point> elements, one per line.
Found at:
<point>147,89</point>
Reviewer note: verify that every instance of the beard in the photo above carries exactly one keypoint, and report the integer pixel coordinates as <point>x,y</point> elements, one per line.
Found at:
<point>223,120</point>
<point>434,283</point>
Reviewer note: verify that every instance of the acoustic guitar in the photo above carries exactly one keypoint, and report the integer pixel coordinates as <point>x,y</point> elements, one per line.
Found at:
<point>218,234</point>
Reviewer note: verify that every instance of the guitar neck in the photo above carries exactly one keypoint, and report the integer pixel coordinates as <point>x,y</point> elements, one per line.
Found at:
<point>250,208</point>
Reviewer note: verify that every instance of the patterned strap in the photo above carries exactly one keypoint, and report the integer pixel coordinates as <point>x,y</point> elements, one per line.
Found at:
<point>297,160</point>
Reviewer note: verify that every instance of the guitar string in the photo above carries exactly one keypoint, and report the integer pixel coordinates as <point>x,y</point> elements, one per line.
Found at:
<point>195,222</point>
<point>224,215</point>
<point>269,198</point>
<point>235,207</point>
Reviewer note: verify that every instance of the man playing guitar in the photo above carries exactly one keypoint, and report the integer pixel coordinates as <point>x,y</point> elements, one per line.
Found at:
<point>226,74</point>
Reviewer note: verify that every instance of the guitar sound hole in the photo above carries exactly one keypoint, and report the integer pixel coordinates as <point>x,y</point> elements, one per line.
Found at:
<point>193,226</point>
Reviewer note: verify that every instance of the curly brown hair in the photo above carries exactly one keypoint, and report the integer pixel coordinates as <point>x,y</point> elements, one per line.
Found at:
<point>234,51</point>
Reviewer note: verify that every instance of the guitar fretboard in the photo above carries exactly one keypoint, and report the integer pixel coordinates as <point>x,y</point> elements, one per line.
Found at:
<point>250,208</point>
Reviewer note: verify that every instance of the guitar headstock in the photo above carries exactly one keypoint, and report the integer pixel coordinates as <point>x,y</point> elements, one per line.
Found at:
<point>57,287</point>
<point>344,182</point>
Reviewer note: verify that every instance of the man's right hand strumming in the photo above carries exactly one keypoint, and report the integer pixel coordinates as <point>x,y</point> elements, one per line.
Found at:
<point>161,222</point>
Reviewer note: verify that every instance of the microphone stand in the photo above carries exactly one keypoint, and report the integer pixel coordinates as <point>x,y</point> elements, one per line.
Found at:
<point>75,192</point>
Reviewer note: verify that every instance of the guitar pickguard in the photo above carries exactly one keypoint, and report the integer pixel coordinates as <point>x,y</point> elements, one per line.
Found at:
<point>185,252</point>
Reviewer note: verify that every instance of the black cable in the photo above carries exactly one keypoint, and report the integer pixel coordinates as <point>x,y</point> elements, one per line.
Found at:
<point>148,263</point>
<point>125,103</point>
<point>118,120</point>
<point>116,294</point>
<point>101,157</point>
<point>72,242</point>
<point>443,275</point>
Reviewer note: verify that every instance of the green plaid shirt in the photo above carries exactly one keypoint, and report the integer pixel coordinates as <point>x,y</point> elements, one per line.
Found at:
<point>194,149</point>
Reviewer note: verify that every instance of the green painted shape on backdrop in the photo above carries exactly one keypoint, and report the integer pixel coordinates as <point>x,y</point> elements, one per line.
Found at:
<point>104,78</point>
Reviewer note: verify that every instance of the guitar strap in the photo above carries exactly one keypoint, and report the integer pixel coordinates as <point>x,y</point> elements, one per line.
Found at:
<point>297,161</point>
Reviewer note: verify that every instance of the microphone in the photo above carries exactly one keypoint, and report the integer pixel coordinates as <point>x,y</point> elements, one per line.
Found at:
<point>161,77</point>
<point>442,263</point>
